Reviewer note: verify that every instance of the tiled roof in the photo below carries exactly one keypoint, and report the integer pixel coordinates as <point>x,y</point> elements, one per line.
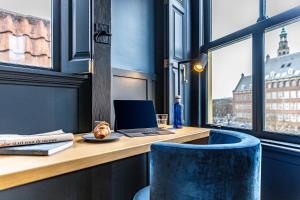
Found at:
<point>281,67</point>
<point>244,84</point>
<point>24,39</point>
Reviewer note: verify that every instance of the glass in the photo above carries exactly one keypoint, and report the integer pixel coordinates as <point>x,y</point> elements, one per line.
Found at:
<point>25,32</point>
<point>162,120</point>
<point>232,15</point>
<point>282,110</point>
<point>275,7</point>
<point>230,85</point>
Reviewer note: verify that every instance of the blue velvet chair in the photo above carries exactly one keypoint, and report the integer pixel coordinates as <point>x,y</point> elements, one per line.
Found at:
<point>228,168</point>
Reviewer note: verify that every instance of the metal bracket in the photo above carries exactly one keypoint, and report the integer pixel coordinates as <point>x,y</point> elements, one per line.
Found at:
<point>102,34</point>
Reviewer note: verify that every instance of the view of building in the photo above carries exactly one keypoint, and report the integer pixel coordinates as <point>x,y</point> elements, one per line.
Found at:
<point>242,102</point>
<point>282,89</point>
<point>221,109</point>
<point>24,39</point>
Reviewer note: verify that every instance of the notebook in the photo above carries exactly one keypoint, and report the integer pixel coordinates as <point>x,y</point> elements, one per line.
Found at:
<point>36,149</point>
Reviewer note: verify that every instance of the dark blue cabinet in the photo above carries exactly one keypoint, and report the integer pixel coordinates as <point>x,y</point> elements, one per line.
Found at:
<point>75,35</point>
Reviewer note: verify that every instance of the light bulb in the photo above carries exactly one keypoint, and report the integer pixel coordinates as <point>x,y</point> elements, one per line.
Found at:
<point>198,68</point>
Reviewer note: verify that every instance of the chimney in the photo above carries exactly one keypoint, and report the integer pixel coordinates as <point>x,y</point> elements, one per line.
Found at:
<point>268,57</point>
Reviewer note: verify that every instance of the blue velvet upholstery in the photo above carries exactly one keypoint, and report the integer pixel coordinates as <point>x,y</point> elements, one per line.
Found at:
<point>228,168</point>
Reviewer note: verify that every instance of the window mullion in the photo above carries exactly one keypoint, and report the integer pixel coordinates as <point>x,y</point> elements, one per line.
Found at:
<point>262,10</point>
<point>258,81</point>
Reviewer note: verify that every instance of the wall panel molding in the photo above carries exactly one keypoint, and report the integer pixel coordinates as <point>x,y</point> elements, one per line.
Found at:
<point>79,30</point>
<point>35,101</point>
<point>19,76</point>
<point>132,74</point>
<point>76,31</point>
<point>132,85</point>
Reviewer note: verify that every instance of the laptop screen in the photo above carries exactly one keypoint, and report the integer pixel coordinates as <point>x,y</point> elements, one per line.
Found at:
<point>131,114</point>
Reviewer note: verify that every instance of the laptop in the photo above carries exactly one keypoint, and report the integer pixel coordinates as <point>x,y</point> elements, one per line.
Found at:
<point>136,118</point>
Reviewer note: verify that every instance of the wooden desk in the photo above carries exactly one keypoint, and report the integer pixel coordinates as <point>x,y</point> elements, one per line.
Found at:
<point>19,170</point>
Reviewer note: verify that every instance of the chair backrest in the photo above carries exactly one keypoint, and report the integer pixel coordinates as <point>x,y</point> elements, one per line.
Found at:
<point>226,169</point>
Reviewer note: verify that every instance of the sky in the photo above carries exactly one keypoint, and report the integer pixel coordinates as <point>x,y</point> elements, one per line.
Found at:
<point>230,62</point>
<point>38,8</point>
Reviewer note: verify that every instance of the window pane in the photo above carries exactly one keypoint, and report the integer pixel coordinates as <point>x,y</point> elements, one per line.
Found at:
<point>275,7</point>
<point>230,85</point>
<point>232,15</point>
<point>25,35</point>
<point>282,68</point>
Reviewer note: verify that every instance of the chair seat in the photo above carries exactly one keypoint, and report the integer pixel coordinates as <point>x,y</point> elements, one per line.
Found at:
<point>143,194</point>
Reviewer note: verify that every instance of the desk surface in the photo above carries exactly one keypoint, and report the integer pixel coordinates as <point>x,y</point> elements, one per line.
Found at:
<point>19,170</point>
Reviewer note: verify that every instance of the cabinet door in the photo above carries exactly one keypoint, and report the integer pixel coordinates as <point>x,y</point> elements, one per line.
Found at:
<point>176,84</point>
<point>75,35</point>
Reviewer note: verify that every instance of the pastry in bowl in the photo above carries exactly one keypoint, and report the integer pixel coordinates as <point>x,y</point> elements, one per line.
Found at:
<point>102,130</point>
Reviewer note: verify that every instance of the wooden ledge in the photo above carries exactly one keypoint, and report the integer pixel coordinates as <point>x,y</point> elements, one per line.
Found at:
<point>19,170</point>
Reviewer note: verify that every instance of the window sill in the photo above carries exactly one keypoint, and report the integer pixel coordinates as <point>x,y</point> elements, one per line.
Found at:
<point>283,147</point>
<point>29,76</point>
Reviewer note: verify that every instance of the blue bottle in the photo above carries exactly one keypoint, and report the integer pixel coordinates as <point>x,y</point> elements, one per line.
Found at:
<point>178,113</point>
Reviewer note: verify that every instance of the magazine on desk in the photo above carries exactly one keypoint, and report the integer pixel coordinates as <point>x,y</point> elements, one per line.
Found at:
<point>8,140</point>
<point>37,149</point>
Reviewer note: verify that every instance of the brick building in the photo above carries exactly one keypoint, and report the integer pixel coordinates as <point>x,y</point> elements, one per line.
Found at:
<point>282,91</point>
<point>242,102</point>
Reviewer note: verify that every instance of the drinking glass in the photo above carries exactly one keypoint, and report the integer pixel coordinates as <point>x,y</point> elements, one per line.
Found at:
<point>162,120</point>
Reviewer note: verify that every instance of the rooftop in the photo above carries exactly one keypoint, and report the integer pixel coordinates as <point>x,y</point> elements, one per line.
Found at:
<point>24,39</point>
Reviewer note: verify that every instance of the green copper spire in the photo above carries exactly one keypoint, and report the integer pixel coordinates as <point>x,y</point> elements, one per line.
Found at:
<point>283,48</point>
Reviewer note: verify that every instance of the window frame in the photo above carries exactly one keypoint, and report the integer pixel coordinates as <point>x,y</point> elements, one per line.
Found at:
<point>55,43</point>
<point>257,32</point>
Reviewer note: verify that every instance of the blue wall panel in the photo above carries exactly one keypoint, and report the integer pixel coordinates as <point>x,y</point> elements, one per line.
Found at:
<point>133,35</point>
<point>34,109</point>
<point>280,174</point>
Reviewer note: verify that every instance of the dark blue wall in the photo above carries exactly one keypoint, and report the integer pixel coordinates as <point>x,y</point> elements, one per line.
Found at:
<point>34,109</point>
<point>39,101</point>
<point>280,173</point>
<point>133,35</point>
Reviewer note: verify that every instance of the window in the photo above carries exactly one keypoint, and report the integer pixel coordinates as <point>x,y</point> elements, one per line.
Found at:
<point>298,107</point>
<point>286,106</point>
<point>292,107</point>
<point>236,73</point>
<point>276,96</point>
<point>281,84</point>
<point>286,95</point>
<point>280,106</point>
<point>287,84</point>
<point>293,94</point>
<point>25,36</point>
<point>224,16</point>
<point>280,95</point>
<point>275,7</point>
<point>284,50</point>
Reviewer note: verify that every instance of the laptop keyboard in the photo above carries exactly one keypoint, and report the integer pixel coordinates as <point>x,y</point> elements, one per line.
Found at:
<point>140,132</point>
